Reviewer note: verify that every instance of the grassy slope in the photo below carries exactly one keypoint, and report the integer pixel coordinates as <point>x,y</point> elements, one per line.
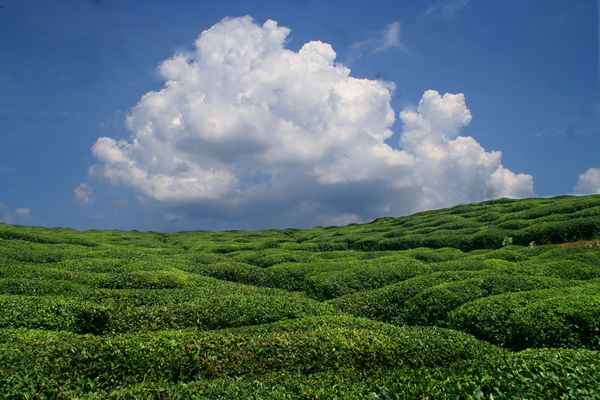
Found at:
<point>437,304</point>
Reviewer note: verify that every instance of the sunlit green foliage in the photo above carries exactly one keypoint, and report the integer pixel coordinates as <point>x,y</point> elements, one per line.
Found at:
<point>476,301</point>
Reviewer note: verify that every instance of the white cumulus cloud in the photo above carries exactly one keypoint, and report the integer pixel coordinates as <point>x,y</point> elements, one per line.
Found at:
<point>248,131</point>
<point>589,182</point>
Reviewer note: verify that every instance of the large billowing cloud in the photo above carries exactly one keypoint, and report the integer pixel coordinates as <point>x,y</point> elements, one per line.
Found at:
<point>589,182</point>
<point>246,130</point>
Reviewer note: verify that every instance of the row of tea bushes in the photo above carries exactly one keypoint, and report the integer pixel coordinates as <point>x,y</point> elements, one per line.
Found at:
<point>325,279</point>
<point>36,362</point>
<point>516,311</point>
<point>52,313</point>
<point>542,318</point>
<point>387,303</point>
<point>327,285</point>
<point>104,311</point>
<point>477,226</point>
<point>432,305</point>
<point>532,374</point>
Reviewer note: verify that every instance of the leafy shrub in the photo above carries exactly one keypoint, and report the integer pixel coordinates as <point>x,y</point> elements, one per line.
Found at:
<point>233,271</point>
<point>559,231</point>
<point>292,276</point>
<point>31,253</point>
<point>214,312</point>
<point>36,286</point>
<point>586,255</point>
<point>566,269</point>
<point>565,318</point>
<point>387,303</point>
<point>431,306</point>
<point>267,258</point>
<point>327,285</point>
<point>532,374</point>
<point>109,314</point>
<point>435,255</point>
<point>314,344</point>
<point>206,258</point>
<point>143,280</point>
<point>563,321</point>
<point>54,313</point>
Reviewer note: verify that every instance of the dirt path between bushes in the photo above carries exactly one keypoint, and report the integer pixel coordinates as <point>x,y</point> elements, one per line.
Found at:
<point>583,243</point>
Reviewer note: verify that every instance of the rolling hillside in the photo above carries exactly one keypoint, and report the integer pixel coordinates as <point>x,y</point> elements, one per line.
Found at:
<point>499,299</point>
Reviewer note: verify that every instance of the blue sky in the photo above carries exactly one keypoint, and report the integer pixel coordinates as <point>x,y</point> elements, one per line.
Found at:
<point>71,72</point>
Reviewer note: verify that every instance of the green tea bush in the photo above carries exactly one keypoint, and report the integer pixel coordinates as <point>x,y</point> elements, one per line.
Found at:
<point>233,271</point>
<point>388,303</point>
<point>532,374</point>
<point>205,258</point>
<point>559,231</point>
<point>214,312</point>
<point>267,258</point>
<point>47,236</point>
<point>102,363</point>
<point>35,287</point>
<point>511,253</point>
<point>461,264</point>
<point>142,280</point>
<point>431,306</point>
<point>327,285</point>
<point>30,253</point>
<point>587,255</point>
<point>435,255</point>
<point>110,314</point>
<point>567,269</point>
<point>514,224</point>
<point>487,238</point>
<point>561,318</point>
<point>94,265</point>
<point>53,313</point>
<point>564,321</point>
<point>292,276</point>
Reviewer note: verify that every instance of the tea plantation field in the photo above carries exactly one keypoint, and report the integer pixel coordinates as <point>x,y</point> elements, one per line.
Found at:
<point>496,300</point>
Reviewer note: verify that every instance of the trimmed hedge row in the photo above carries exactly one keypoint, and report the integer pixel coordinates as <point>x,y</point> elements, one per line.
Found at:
<point>532,374</point>
<point>387,303</point>
<point>431,306</point>
<point>292,276</point>
<point>99,312</point>
<point>52,313</point>
<point>327,285</point>
<point>490,235</point>
<point>36,286</point>
<point>43,363</point>
<point>564,269</point>
<point>206,313</point>
<point>234,272</point>
<point>144,280</point>
<point>568,317</point>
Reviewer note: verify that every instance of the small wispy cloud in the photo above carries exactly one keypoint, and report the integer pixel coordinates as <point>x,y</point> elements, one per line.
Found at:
<point>9,216</point>
<point>446,9</point>
<point>568,132</point>
<point>121,203</point>
<point>387,39</point>
<point>172,217</point>
<point>23,212</point>
<point>84,194</point>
